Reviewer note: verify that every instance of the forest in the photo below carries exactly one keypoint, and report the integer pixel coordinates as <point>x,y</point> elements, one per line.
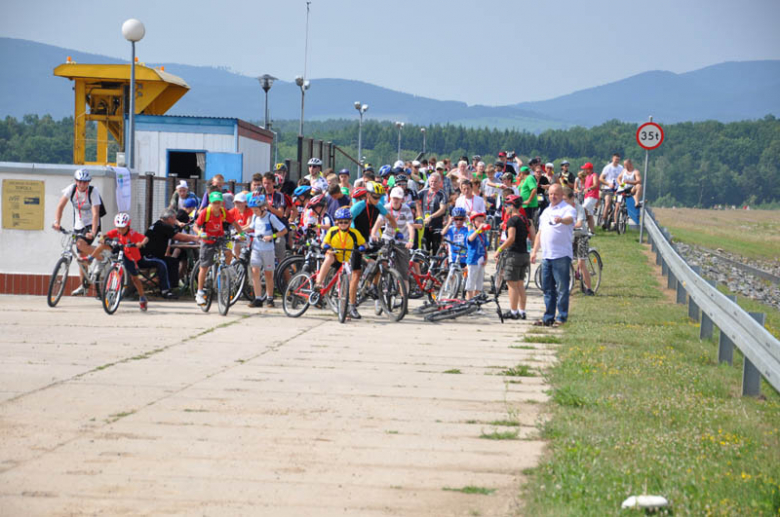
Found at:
<point>700,164</point>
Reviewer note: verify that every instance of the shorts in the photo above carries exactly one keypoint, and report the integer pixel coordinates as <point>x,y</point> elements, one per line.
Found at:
<point>280,248</point>
<point>81,233</point>
<point>264,259</point>
<point>581,247</point>
<point>207,252</point>
<point>516,266</point>
<point>530,211</point>
<point>607,193</point>
<point>356,261</point>
<point>401,263</point>
<point>590,205</point>
<point>476,279</point>
<point>131,268</point>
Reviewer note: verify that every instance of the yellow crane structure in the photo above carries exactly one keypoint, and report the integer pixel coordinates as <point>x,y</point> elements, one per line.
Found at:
<point>102,96</point>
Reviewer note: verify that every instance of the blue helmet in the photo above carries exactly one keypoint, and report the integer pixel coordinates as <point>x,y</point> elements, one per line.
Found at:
<point>302,190</point>
<point>398,170</point>
<point>256,201</point>
<point>458,211</point>
<point>342,213</point>
<point>191,202</point>
<point>384,170</point>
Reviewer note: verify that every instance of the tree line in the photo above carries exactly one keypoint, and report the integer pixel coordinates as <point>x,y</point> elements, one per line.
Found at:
<point>699,164</point>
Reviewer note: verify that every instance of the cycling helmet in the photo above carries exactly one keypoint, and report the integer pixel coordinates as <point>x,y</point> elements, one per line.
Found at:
<point>121,220</point>
<point>507,176</point>
<point>318,200</point>
<point>316,162</point>
<point>384,171</point>
<point>399,164</point>
<point>375,188</point>
<point>401,178</point>
<point>82,175</point>
<point>256,201</point>
<point>368,167</point>
<point>281,167</point>
<point>344,171</point>
<point>359,192</point>
<point>191,202</point>
<point>513,200</point>
<point>342,213</point>
<point>398,170</point>
<point>458,212</point>
<point>301,191</point>
<point>474,216</point>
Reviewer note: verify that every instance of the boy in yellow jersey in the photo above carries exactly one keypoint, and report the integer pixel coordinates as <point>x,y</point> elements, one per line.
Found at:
<point>342,239</point>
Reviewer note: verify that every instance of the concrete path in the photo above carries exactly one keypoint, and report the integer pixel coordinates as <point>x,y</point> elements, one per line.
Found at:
<point>179,412</point>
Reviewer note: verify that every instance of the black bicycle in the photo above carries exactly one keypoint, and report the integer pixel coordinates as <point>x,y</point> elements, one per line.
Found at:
<point>455,308</point>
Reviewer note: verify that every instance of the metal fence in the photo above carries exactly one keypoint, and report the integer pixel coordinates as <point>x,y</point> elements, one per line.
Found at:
<point>760,349</point>
<point>332,156</point>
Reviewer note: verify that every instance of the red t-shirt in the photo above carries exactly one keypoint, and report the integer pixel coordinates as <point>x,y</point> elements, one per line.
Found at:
<point>213,227</point>
<point>590,181</point>
<point>241,218</point>
<point>131,236</point>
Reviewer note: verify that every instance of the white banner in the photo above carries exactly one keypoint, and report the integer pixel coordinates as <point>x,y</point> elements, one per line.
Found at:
<point>123,188</point>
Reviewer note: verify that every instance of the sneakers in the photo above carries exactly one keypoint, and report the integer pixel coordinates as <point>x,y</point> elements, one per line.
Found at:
<point>589,292</point>
<point>353,313</point>
<point>142,303</point>
<point>200,298</point>
<point>508,315</point>
<point>170,295</point>
<point>257,302</point>
<point>79,291</point>
<point>522,315</point>
<point>269,302</point>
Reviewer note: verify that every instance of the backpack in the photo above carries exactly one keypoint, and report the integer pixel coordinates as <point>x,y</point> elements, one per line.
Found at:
<point>208,213</point>
<point>89,196</point>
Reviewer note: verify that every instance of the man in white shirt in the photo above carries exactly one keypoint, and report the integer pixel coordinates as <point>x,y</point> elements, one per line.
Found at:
<point>608,181</point>
<point>468,201</point>
<point>315,177</point>
<point>556,228</point>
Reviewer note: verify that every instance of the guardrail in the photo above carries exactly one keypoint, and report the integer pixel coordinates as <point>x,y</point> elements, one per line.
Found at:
<point>760,349</point>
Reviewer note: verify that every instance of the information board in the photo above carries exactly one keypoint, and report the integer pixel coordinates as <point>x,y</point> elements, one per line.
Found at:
<point>23,204</point>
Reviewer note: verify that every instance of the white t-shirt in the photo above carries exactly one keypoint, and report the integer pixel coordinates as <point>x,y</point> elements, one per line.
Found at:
<point>403,218</point>
<point>82,205</point>
<point>262,226</point>
<point>611,174</point>
<point>320,183</point>
<point>556,238</point>
<point>474,205</point>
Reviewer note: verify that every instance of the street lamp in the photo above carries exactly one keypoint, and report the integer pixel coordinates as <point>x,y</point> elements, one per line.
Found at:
<point>303,85</point>
<point>133,31</point>
<point>400,126</point>
<point>422,130</point>
<point>362,108</point>
<point>266,81</point>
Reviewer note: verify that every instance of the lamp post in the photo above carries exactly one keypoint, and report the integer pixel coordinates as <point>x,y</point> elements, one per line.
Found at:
<point>399,125</point>
<point>133,31</point>
<point>303,85</point>
<point>266,81</point>
<point>422,130</point>
<point>362,108</point>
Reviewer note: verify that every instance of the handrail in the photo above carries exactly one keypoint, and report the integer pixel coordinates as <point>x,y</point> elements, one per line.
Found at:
<point>758,346</point>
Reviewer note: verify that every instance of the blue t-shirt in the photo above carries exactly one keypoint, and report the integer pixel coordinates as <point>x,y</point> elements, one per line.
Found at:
<point>458,236</point>
<point>266,225</point>
<point>476,248</point>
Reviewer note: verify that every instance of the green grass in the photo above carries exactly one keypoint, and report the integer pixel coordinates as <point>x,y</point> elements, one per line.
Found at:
<point>521,370</point>
<point>522,347</point>
<point>471,490</point>
<point>453,371</point>
<point>542,339</point>
<point>640,405</point>
<point>499,435</point>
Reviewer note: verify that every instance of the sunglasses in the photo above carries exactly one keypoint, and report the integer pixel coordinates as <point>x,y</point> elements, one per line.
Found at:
<point>376,197</point>
<point>458,218</point>
<point>344,221</point>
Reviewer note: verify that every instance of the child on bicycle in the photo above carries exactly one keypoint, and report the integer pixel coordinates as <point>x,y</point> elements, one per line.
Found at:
<point>476,255</point>
<point>209,227</point>
<point>131,240</point>
<point>266,228</point>
<point>343,240</point>
<point>457,233</point>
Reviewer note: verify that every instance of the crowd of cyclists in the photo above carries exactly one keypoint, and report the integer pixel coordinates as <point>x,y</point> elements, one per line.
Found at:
<point>459,209</point>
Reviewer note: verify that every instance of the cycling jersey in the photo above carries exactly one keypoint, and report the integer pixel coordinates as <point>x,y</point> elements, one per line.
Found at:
<point>364,216</point>
<point>340,240</point>
<point>131,236</point>
<point>458,236</point>
<point>211,223</point>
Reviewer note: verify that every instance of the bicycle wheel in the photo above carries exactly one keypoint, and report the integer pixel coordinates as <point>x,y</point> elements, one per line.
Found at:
<point>497,281</point>
<point>622,221</point>
<point>209,285</point>
<point>295,299</point>
<point>237,272</point>
<point>193,281</point>
<point>112,289</point>
<point>225,292</point>
<point>287,268</point>
<point>450,287</point>
<point>594,268</point>
<point>58,281</point>
<point>343,296</point>
<point>392,294</point>
<point>538,277</point>
<point>452,313</point>
<point>415,291</point>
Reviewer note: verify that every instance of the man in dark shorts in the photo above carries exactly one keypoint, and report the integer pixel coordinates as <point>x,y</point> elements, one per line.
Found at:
<point>517,263</point>
<point>434,207</point>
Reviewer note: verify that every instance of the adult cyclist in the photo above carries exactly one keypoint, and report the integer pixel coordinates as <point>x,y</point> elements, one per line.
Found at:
<point>87,206</point>
<point>608,182</point>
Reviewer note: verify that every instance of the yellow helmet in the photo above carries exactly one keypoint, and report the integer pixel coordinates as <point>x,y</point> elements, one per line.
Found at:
<point>375,188</point>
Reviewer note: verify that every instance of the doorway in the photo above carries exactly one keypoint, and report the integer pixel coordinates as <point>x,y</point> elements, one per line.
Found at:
<point>186,164</point>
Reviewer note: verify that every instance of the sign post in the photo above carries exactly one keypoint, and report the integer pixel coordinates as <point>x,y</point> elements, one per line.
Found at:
<point>649,136</point>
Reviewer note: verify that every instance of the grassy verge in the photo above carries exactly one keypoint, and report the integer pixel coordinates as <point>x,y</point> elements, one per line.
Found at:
<point>639,405</point>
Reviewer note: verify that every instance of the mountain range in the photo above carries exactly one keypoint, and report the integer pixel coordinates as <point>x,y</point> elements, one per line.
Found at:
<point>725,92</point>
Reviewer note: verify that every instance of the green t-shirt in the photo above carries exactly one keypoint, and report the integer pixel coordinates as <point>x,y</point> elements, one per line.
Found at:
<point>528,185</point>
<point>390,182</point>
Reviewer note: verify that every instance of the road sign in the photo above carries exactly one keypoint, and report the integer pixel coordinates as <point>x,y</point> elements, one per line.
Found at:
<point>649,136</point>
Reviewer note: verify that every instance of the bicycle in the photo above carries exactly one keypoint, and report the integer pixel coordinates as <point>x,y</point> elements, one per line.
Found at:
<point>451,309</point>
<point>59,277</point>
<point>218,281</point>
<point>622,220</point>
<point>300,292</point>
<point>113,286</point>
<point>383,283</point>
<point>497,282</point>
<point>451,288</point>
<point>594,265</point>
<point>431,276</point>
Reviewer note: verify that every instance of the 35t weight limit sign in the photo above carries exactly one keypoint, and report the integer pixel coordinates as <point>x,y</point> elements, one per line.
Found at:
<point>649,136</point>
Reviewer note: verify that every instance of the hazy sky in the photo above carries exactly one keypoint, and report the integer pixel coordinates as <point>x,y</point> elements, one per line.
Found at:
<point>479,52</point>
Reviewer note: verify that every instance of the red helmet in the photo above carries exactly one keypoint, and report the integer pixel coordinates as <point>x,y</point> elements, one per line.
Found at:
<point>513,200</point>
<point>359,192</point>
<point>474,216</point>
<point>316,201</point>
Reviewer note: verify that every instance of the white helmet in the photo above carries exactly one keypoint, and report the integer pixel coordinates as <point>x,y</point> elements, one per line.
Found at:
<point>398,164</point>
<point>315,161</point>
<point>82,175</point>
<point>122,220</point>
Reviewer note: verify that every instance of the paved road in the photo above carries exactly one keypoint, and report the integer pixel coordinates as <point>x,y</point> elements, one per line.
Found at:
<point>178,412</point>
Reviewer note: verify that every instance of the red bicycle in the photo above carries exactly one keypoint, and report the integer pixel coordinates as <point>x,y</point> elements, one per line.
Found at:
<point>426,275</point>
<point>300,292</point>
